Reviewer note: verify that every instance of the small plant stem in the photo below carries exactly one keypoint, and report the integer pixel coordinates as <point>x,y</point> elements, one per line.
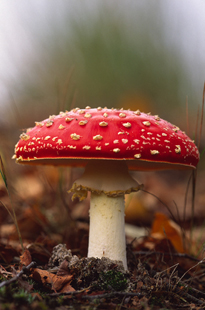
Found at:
<point>13,214</point>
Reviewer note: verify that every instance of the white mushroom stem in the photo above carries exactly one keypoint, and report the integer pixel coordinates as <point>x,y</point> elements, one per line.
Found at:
<point>108,181</point>
<point>107,231</point>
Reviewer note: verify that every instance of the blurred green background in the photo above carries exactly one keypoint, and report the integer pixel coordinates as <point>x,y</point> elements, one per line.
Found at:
<point>103,54</point>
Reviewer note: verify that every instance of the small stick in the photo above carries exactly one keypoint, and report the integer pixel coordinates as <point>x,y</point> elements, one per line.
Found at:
<point>24,270</point>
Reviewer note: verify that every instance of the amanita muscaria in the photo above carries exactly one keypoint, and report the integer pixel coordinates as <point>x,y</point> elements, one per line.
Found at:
<point>107,142</point>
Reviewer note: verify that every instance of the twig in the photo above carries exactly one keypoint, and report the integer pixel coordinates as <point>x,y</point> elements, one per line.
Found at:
<point>70,293</point>
<point>184,255</point>
<point>25,270</point>
<point>193,299</point>
<point>164,204</point>
<point>111,294</point>
<point>200,262</point>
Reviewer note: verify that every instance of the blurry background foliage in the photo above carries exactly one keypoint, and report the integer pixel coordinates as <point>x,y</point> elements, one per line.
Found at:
<point>108,57</point>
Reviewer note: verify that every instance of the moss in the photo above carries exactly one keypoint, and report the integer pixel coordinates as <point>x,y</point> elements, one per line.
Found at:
<point>112,280</point>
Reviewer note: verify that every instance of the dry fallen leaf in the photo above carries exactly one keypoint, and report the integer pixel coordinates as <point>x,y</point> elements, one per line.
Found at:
<point>57,283</point>
<point>25,258</point>
<point>164,228</point>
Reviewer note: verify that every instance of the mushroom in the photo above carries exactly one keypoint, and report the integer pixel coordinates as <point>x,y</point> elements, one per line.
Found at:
<point>107,142</point>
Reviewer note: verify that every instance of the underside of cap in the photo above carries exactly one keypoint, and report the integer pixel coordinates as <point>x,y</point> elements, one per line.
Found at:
<point>139,165</point>
<point>105,176</point>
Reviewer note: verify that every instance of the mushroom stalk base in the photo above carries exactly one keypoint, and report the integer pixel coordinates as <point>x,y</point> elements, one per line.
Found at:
<point>107,232</point>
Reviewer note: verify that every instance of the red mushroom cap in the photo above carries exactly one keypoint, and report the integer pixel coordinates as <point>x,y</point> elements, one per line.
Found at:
<point>146,142</point>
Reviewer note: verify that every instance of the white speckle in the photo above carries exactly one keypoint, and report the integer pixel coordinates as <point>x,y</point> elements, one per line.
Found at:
<point>127,125</point>
<point>99,108</point>
<point>137,112</point>
<point>98,148</point>
<point>124,141</point>
<point>105,115</point>
<point>121,133</point>
<point>81,123</point>
<point>164,134</point>
<point>81,111</point>
<point>178,149</point>
<point>74,136</point>
<point>49,123</point>
<point>157,139</point>
<point>62,114</point>
<point>103,124</point>
<point>88,107</point>
<point>61,126</point>
<point>47,137</point>
<point>158,135</point>
<point>116,141</point>
<point>86,147</point>
<point>176,129</point>
<point>146,123</point>
<point>154,152</point>
<point>97,137</point>
<point>122,115</point>
<point>24,136</point>
<point>72,147</point>
<point>88,115</point>
<point>167,141</point>
<point>68,119</point>
<point>142,130</point>
<point>149,133</point>
<point>54,138</point>
<point>39,124</point>
<point>116,150</point>
<point>106,144</point>
<point>136,141</point>
<point>137,156</point>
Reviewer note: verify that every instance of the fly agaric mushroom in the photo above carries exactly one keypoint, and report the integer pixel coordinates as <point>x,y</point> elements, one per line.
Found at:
<point>107,142</point>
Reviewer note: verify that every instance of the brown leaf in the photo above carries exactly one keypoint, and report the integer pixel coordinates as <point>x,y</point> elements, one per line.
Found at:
<point>25,258</point>
<point>164,228</point>
<point>58,284</point>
